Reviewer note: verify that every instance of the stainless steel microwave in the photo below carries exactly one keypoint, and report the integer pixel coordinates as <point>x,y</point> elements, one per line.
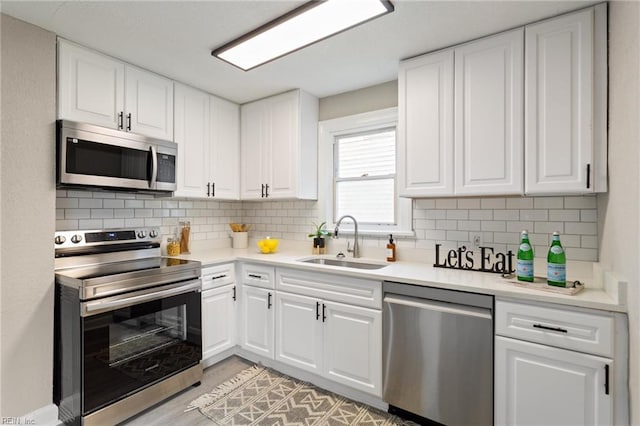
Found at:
<point>99,157</point>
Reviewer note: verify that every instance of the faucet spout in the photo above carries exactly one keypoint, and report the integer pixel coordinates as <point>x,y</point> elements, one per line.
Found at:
<point>356,248</point>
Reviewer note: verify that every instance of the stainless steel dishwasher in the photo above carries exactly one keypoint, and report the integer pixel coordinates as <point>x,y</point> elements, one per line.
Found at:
<point>438,354</point>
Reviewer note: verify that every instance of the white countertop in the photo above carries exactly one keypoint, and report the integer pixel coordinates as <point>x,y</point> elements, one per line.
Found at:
<point>608,296</point>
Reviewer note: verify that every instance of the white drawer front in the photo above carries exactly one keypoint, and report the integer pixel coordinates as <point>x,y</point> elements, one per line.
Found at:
<point>331,287</point>
<point>217,276</point>
<point>584,332</point>
<point>258,275</point>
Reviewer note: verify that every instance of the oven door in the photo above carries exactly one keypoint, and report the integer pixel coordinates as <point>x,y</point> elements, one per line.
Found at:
<point>133,340</point>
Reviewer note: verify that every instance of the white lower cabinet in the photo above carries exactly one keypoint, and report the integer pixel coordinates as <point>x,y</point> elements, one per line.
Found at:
<point>299,331</point>
<point>219,309</point>
<point>258,319</point>
<point>543,373</point>
<point>353,346</point>
<point>340,342</point>
<point>218,320</point>
<point>543,385</point>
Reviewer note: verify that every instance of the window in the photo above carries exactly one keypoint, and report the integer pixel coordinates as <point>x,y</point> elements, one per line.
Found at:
<point>358,173</point>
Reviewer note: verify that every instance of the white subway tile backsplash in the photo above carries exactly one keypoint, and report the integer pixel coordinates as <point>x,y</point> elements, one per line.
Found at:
<point>446,203</point>
<point>493,203</point>
<point>494,225</point>
<point>534,215</point>
<point>133,204</point>
<point>458,214</point>
<point>588,215</point>
<point>548,227</point>
<point>449,221</point>
<point>113,204</point>
<point>581,228</point>
<point>520,203</point>
<point>90,203</point>
<point>509,215</point>
<point>564,215</point>
<point>481,214</point>
<point>548,202</point>
<point>586,202</point>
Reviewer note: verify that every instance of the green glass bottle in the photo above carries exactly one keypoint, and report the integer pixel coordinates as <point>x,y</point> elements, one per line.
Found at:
<point>556,263</point>
<point>524,269</point>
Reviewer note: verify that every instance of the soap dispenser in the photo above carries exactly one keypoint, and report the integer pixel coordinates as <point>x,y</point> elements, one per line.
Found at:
<point>391,249</point>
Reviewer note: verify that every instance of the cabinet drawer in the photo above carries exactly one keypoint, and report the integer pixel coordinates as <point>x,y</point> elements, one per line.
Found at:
<point>585,332</point>
<point>335,288</point>
<point>257,275</point>
<point>217,276</point>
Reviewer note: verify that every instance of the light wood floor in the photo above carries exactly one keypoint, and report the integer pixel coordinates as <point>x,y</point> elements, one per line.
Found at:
<point>171,411</point>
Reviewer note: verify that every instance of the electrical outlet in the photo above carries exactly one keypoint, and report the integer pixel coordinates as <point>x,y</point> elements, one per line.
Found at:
<point>476,240</point>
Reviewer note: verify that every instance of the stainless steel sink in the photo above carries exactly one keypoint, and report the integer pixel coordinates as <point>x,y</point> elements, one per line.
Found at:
<point>343,263</point>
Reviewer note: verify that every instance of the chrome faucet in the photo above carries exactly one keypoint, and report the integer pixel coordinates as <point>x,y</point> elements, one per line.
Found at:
<point>356,250</point>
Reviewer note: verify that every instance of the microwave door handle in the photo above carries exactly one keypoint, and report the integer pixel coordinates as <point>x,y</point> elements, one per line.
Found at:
<point>154,166</point>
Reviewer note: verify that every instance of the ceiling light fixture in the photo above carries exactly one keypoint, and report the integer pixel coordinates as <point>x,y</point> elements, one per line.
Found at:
<point>303,26</point>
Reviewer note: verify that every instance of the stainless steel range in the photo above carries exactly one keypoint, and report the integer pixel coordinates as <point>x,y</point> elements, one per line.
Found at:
<point>127,324</point>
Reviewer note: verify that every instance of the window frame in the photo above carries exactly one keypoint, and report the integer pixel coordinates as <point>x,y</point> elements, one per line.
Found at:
<point>328,130</point>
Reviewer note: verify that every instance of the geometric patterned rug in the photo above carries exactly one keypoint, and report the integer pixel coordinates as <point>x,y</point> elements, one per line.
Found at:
<point>262,396</point>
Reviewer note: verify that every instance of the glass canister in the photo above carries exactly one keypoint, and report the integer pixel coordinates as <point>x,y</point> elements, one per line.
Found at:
<point>173,247</point>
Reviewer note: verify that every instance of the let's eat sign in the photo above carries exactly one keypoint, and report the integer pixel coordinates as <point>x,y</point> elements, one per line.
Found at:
<point>461,258</point>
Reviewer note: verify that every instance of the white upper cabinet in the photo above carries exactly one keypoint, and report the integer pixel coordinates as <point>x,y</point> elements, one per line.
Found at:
<point>148,100</point>
<point>565,113</point>
<point>97,89</point>
<point>90,86</point>
<point>224,149</point>
<point>208,136</point>
<point>520,112</point>
<point>425,125</point>
<point>467,141</point>
<point>192,137</point>
<point>488,115</point>
<point>279,144</point>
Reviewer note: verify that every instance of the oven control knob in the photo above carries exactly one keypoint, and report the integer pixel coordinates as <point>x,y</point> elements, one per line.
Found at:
<point>142,234</point>
<point>153,233</point>
<point>76,238</point>
<point>60,239</point>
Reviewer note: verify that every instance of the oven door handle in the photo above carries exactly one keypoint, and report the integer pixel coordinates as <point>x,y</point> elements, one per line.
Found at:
<point>116,302</point>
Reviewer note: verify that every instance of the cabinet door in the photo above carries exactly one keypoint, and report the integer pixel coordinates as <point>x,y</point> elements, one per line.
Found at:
<point>192,137</point>
<point>149,104</point>
<point>353,346</point>
<point>489,136</point>
<point>258,320</point>
<point>559,104</point>
<point>543,385</point>
<point>90,86</point>
<point>425,125</point>
<point>224,151</point>
<point>284,140</point>
<point>299,331</point>
<point>254,134</point>
<point>218,320</point>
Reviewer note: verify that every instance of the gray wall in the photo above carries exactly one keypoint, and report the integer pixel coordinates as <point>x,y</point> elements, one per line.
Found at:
<point>372,98</point>
<point>27,197</point>
<point>619,209</point>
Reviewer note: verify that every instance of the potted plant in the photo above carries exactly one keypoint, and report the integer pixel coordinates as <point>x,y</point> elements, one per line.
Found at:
<point>319,234</point>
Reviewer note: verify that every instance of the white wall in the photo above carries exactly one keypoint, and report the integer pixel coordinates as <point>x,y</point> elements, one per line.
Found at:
<point>619,209</point>
<point>27,195</point>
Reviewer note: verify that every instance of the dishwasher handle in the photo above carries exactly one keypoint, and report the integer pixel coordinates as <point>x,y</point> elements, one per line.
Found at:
<point>433,305</point>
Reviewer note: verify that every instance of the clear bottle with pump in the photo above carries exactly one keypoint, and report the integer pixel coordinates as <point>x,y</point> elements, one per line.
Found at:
<point>556,263</point>
<point>391,249</point>
<point>524,270</point>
